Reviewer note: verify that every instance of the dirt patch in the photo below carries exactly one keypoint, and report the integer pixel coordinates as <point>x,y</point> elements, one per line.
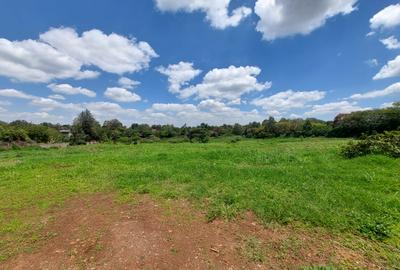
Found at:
<point>99,233</point>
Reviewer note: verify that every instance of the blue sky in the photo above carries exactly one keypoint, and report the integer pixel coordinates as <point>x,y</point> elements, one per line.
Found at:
<point>193,61</point>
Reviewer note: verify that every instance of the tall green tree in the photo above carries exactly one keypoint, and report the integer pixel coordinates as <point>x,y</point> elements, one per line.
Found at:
<point>85,128</point>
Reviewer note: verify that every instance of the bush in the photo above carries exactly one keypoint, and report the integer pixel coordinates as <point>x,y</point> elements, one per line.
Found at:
<point>387,143</point>
<point>13,134</point>
<point>178,140</point>
<point>150,139</point>
<point>125,140</point>
<point>235,139</point>
<point>39,134</point>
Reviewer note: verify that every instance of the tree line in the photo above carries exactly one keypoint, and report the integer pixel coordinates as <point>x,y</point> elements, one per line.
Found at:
<point>85,128</point>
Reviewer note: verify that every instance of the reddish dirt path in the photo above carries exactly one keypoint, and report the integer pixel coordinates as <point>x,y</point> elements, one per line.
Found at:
<point>98,233</point>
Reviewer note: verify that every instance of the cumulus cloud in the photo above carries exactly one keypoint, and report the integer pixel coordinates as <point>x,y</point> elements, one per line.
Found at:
<point>215,106</point>
<point>334,108</point>
<point>282,18</point>
<point>121,95</point>
<point>34,61</point>
<point>287,100</point>
<point>67,89</point>
<point>217,12</point>
<point>391,69</point>
<point>127,83</point>
<point>388,17</point>
<point>390,90</point>
<point>179,75</point>
<point>391,43</point>
<point>112,53</point>
<point>226,83</point>
<point>61,53</point>
<point>12,93</point>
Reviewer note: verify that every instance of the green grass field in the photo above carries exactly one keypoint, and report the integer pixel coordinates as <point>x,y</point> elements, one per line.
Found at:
<point>285,181</point>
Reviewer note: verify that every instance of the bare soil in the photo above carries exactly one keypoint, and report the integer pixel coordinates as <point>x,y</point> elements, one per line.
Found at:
<point>97,232</point>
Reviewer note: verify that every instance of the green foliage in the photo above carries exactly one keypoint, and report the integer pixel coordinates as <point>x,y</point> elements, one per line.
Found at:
<point>85,128</point>
<point>39,134</point>
<point>376,230</point>
<point>150,139</point>
<point>178,140</point>
<point>366,122</point>
<point>199,134</point>
<point>22,131</point>
<point>387,143</point>
<point>114,130</point>
<point>13,134</point>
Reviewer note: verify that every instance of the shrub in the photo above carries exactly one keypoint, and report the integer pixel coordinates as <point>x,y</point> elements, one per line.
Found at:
<point>13,134</point>
<point>150,139</point>
<point>39,134</point>
<point>125,140</point>
<point>198,134</point>
<point>178,140</point>
<point>387,143</point>
<point>235,139</point>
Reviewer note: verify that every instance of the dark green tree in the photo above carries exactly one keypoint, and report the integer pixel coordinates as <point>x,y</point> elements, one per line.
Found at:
<point>85,128</point>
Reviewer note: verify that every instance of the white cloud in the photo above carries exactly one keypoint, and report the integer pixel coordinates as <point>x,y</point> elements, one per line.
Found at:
<point>391,43</point>
<point>173,107</point>
<point>390,90</point>
<point>61,53</point>
<point>207,111</point>
<point>372,62</point>
<point>226,83</point>
<point>70,90</point>
<point>33,61</point>
<point>282,18</point>
<point>236,101</point>
<point>108,110</point>
<point>56,96</point>
<point>112,53</point>
<point>387,105</point>
<point>388,17</point>
<point>215,106</point>
<point>34,117</point>
<point>370,34</point>
<point>2,109</point>
<point>391,69</point>
<point>127,83</point>
<point>179,75</point>
<point>48,104</point>
<point>284,101</point>
<point>12,93</point>
<point>217,12</point>
<point>121,95</point>
<point>334,108</point>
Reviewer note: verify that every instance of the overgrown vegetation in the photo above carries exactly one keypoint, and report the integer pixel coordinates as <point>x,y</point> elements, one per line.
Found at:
<point>387,143</point>
<point>86,128</point>
<point>22,131</point>
<point>286,181</point>
<point>367,122</point>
